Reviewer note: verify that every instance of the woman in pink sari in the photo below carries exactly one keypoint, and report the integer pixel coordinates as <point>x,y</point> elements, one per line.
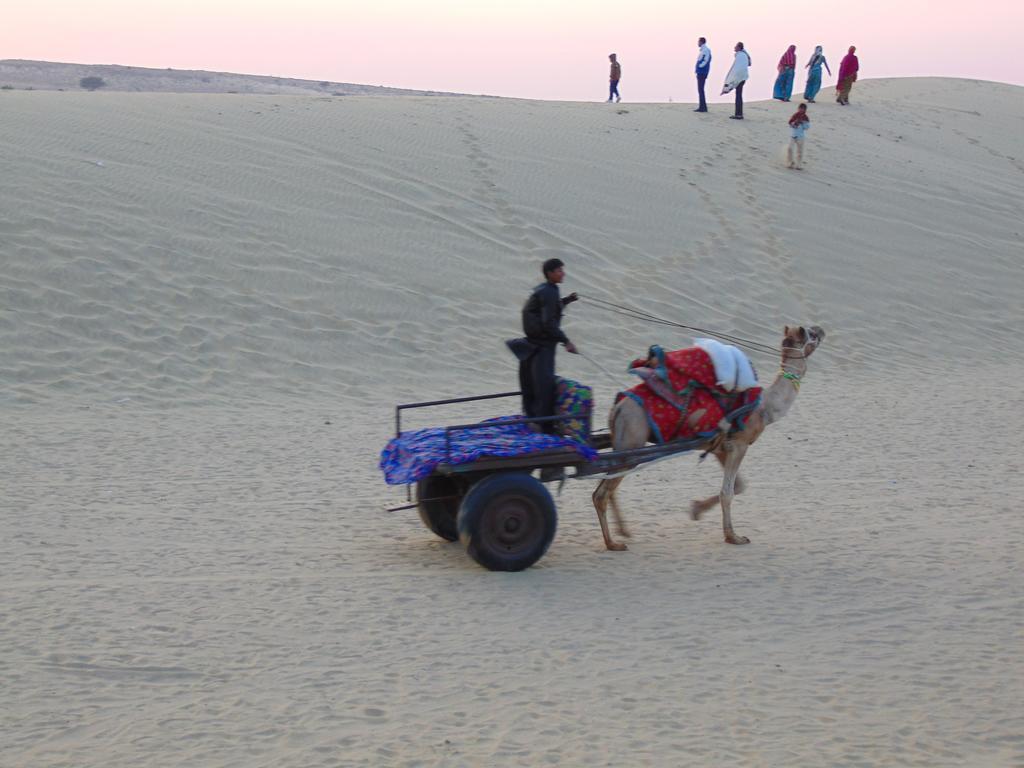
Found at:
<point>847,76</point>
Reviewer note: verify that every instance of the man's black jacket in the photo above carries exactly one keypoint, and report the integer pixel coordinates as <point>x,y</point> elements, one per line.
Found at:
<point>542,316</point>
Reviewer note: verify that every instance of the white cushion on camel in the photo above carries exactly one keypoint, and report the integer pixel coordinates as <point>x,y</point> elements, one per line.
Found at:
<point>746,376</point>
<point>733,371</point>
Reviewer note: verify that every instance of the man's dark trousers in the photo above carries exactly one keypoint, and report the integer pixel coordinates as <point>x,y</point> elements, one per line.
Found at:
<point>537,382</point>
<point>701,78</point>
<point>739,99</point>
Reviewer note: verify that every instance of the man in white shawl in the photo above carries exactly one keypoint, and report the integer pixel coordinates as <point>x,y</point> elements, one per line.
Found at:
<point>737,76</point>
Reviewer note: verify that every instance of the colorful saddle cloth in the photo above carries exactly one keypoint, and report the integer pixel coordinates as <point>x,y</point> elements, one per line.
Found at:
<point>679,384</point>
<point>414,455</point>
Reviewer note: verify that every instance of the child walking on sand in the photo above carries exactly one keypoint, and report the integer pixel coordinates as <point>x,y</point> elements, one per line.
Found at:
<point>798,124</point>
<point>613,78</point>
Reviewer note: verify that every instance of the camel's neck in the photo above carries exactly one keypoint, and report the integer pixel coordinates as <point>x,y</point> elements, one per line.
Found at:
<point>781,395</point>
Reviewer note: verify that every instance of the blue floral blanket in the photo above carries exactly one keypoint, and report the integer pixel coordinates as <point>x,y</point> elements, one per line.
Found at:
<point>414,455</point>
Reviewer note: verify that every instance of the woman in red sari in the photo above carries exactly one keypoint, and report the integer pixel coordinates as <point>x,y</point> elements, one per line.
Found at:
<point>787,71</point>
<point>847,76</point>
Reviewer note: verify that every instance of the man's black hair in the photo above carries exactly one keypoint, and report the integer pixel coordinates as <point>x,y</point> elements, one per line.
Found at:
<point>551,265</point>
<point>702,41</point>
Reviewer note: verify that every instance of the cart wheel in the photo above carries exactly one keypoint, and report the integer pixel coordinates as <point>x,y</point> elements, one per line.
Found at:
<point>507,521</point>
<point>440,515</point>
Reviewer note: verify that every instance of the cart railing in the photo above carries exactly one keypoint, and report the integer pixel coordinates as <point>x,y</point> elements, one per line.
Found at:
<point>449,401</point>
<point>476,425</point>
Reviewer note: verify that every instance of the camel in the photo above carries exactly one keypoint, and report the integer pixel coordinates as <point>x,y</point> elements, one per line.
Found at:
<point>630,428</point>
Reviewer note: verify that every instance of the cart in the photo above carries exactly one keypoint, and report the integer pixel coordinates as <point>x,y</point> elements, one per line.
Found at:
<point>497,508</point>
<point>501,512</point>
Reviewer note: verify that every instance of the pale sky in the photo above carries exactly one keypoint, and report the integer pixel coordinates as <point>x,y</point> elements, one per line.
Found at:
<point>540,49</point>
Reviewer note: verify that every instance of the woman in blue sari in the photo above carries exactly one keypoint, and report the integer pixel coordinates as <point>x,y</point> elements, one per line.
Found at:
<point>787,70</point>
<point>814,74</point>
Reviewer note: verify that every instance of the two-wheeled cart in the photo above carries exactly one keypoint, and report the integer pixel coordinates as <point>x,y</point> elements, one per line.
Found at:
<point>497,508</point>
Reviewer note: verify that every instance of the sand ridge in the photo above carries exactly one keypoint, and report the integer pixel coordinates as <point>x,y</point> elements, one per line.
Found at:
<point>25,74</point>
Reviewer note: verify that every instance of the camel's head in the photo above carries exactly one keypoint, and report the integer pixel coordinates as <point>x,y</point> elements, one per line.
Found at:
<point>798,341</point>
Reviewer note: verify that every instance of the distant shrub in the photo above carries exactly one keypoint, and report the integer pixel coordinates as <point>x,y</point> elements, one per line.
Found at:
<point>91,83</point>
<point>205,79</point>
<point>6,87</point>
<point>325,84</point>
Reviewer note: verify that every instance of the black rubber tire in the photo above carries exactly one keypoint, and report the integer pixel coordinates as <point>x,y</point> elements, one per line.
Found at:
<point>440,516</point>
<point>507,521</point>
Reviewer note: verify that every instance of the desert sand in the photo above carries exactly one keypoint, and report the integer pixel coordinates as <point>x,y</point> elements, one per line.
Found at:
<point>209,305</point>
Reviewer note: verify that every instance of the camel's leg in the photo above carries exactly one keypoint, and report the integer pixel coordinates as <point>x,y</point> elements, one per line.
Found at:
<point>605,491</point>
<point>628,425</point>
<point>620,521</point>
<point>733,457</point>
<point>699,506</point>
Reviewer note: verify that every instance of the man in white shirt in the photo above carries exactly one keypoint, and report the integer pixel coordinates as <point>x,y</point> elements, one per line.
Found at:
<point>703,68</point>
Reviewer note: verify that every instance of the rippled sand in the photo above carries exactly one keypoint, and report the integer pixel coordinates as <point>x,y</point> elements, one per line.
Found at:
<point>210,304</point>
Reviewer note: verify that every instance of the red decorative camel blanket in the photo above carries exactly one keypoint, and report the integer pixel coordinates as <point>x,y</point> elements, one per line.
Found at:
<point>677,386</point>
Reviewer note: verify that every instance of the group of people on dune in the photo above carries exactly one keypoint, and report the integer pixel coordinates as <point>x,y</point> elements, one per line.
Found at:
<point>739,73</point>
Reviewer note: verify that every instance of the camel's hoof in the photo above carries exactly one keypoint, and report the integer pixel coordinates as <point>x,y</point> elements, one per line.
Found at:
<point>615,546</point>
<point>734,539</point>
<point>695,511</point>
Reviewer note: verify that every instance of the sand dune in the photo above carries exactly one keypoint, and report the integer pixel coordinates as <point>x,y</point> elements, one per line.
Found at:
<point>197,247</point>
<point>210,303</point>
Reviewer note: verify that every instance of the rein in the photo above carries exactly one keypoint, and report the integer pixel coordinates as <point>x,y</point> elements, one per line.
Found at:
<point>638,314</point>
<point>643,316</point>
